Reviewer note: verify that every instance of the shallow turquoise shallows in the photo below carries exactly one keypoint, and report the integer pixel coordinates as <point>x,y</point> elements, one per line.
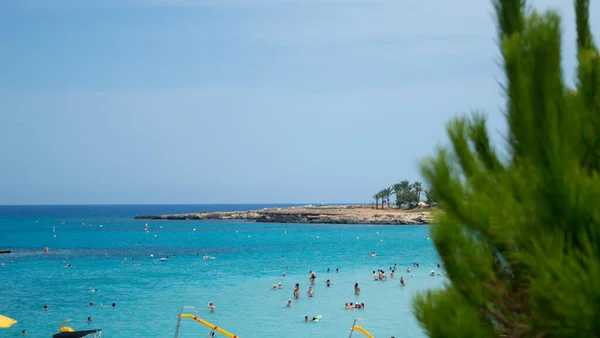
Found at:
<point>249,259</point>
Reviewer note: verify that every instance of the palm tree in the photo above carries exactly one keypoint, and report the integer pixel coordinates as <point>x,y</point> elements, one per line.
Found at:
<point>430,197</point>
<point>387,192</point>
<point>382,196</point>
<point>397,188</point>
<point>418,189</point>
<point>376,198</point>
<point>402,191</point>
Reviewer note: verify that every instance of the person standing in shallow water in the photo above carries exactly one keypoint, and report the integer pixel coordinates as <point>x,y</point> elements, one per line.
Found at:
<point>297,291</point>
<point>356,289</point>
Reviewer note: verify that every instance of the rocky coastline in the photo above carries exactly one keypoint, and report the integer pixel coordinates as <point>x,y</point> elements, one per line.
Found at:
<point>312,215</point>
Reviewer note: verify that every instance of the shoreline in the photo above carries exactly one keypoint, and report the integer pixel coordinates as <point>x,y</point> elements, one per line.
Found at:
<point>349,214</point>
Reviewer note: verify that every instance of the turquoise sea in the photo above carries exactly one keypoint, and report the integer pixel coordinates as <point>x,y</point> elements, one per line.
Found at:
<point>249,259</point>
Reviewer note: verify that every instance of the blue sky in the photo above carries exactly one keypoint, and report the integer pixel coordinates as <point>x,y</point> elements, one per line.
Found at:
<point>236,101</point>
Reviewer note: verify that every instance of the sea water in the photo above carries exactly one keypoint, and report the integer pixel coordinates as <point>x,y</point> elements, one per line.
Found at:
<point>249,259</point>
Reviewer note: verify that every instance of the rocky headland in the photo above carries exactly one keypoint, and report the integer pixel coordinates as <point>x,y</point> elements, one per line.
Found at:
<point>312,214</point>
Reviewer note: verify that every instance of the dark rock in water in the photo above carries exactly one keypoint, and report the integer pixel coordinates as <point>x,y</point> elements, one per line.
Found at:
<point>3,251</point>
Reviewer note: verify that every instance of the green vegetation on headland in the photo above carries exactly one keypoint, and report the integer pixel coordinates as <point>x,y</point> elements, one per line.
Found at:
<point>407,195</point>
<point>520,233</point>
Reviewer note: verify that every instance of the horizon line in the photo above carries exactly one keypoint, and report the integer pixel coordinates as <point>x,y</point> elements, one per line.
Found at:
<point>135,204</point>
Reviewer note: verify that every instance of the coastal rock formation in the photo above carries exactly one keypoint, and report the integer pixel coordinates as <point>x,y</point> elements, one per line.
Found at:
<point>315,215</point>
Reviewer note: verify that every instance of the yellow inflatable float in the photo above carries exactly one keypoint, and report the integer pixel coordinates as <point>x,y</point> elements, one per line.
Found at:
<point>362,330</point>
<point>209,325</point>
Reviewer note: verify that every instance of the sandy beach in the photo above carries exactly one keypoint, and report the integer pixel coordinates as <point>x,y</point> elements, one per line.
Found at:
<point>350,214</point>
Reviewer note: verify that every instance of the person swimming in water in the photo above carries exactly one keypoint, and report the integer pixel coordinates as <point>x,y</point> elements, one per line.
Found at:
<point>279,286</point>
<point>356,289</point>
<point>328,283</point>
<point>289,303</point>
<point>402,281</point>
<point>375,275</point>
<point>310,291</point>
<point>212,307</point>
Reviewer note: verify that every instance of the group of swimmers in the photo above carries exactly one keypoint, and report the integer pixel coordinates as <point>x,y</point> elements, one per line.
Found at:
<point>350,306</point>
<point>380,275</point>
<point>310,320</point>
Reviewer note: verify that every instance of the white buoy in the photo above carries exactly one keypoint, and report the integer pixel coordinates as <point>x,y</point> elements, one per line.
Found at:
<point>151,255</point>
<point>194,229</point>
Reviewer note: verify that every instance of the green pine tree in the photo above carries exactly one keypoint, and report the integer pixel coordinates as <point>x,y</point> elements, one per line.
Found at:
<point>520,234</point>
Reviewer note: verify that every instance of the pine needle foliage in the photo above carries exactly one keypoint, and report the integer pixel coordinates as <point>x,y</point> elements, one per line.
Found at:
<point>520,235</point>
